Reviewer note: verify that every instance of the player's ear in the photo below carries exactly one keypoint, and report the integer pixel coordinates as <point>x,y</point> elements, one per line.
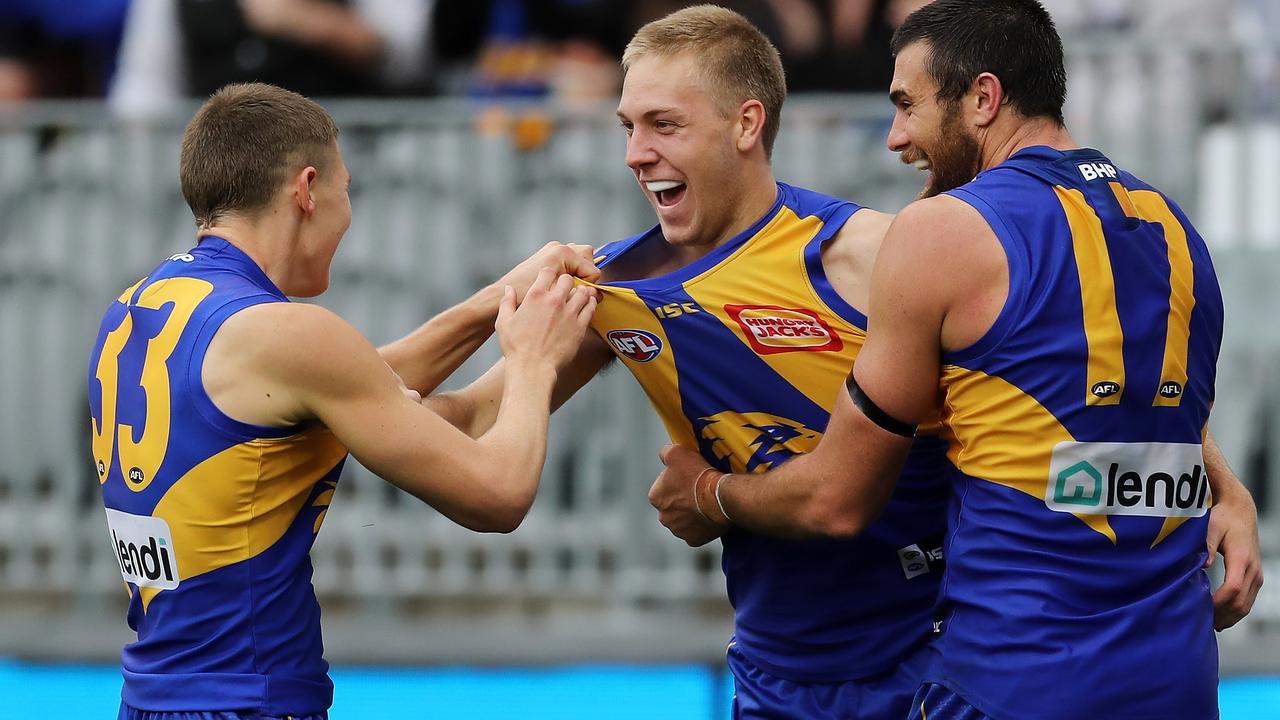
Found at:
<point>984,99</point>
<point>750,125</point>
<point>300,188</point>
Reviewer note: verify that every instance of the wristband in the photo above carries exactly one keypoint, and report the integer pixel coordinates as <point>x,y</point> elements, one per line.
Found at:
<point>706,494</point>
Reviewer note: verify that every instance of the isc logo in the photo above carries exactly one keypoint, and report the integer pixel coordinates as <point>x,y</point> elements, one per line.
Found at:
<point>143,547</point>
<point>637,345</point>
<point>1093,171</point>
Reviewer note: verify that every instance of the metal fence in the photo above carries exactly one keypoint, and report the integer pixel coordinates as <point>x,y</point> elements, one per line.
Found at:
<point>446,196</point>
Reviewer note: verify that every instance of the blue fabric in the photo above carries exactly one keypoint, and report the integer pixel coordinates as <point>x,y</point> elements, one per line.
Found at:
<point>887,696</point>
<point>131,713</point>
<point>935,702</point>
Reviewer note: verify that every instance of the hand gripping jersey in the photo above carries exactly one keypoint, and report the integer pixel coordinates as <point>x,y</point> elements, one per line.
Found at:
<point>1077,526</point>
<point>743,353</point>
<point>210,519</point>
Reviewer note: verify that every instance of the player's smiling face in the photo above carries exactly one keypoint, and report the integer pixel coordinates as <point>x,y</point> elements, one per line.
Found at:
<point>927,133</point>
<point>680,147</point>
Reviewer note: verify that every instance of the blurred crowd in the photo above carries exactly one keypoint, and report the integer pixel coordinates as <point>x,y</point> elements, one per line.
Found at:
<point>142,55</point>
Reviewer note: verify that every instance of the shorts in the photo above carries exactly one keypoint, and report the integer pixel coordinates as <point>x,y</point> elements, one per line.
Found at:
<point>935,702</point>
<point>887,696</point>
<point>132,713</point>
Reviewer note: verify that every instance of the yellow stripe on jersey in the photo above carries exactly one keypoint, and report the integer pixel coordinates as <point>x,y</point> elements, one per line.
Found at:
<point>1098,296</point>
<point>809,372</point>
<point>997,432</point>
<point>629,311</point>
<point>263,483</point>
<point>1182,300</point>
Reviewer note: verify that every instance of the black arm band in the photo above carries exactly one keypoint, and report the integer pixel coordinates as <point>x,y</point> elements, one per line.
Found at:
<point>875,414</point>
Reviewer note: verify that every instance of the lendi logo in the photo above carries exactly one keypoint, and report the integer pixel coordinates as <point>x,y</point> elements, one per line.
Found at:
<point>1150,479</point>
<point>143,546</point>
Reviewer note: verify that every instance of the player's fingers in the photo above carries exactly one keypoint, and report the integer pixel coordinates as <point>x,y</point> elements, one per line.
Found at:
<point>577,300</point>
<point>1214,541</point>
<point>655,489</point>
<point>546,278</point>
<point>508,304</point>
<point>587,312</point>
<point>581,262</point>
<point>563,287</point>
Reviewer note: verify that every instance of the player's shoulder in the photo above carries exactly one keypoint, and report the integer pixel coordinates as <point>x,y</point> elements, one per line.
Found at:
<point>287,338</point>
<point>942,238</point>
<point>940,223</point>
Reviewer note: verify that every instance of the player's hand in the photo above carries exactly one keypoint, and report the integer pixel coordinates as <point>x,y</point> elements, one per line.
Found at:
<point>575,260</point>
<point>548,325</point>
<point>1233,532</point>
<point>673,496</point>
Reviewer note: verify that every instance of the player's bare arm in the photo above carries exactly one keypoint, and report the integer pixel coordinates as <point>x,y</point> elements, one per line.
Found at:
<point>1233,533</point>
<point>473,408</point>
<point>939,282</point>
<point>256,373</point>
<point>428,355</point>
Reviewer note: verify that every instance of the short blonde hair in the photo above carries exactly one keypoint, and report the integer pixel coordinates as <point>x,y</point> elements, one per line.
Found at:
<point>736,58</point>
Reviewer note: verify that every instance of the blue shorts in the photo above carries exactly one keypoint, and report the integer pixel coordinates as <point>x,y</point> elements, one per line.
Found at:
<point>759,695</point>
<point>935,702</point>
<point>132,713</point>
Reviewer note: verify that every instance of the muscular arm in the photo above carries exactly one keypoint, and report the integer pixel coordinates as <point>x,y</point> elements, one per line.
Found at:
<point>916,310</point>
<point>428,355</point>
<point>1233,532</point>
<point>474,408</point>
<point>341,381</point>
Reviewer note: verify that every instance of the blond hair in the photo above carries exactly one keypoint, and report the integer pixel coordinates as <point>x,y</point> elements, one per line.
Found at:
<point>735,58</point>
<point>242,144</point>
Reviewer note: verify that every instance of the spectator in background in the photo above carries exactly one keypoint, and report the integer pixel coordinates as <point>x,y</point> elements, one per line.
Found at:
<point>836,45</point>
<point>323,48</point>
<point>532,48</point>
<point>58,49</point>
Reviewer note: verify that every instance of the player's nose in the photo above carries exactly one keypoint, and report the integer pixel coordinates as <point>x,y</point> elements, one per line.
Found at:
<point>897,140</point>
<point>640,151</point>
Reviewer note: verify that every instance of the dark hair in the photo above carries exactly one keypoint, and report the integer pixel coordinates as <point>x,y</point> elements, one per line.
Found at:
<point>1015,40</point>
<point>242,144</point>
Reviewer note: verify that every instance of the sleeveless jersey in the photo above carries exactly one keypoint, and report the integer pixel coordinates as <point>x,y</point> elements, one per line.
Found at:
<point>210,519</point>
<point>1074,586</point>
<point>742,354</point>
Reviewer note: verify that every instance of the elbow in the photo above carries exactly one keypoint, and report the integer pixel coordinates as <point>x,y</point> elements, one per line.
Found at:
<point>839,525</point>
<point>502,514</point>
<point>840,518</point>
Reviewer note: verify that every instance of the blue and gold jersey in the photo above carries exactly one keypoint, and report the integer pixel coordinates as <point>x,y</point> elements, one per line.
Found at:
<point>210,519</point>
<point>743,353</point>
<point>1074,586</point>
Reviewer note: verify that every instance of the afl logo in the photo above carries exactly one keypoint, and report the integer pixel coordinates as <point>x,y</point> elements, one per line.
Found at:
<point>1170,389</point>
<point>636,345</point>
<point>1105,389</point>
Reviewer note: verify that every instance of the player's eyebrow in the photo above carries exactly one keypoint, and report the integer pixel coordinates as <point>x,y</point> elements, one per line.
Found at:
<point>649,113</point>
